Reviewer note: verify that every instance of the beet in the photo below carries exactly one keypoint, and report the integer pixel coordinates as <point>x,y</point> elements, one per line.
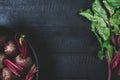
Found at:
<point>7,74</point>
<point>24,62</point>
<point>22,59</point>
<point>2,58</point>
<point>11,49</point>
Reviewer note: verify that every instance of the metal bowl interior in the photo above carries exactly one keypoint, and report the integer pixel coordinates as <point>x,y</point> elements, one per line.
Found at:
<point>35,59</point>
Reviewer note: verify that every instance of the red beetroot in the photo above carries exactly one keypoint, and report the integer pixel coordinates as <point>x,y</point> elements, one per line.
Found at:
<point>22,59</point>
<point>2,58</point>
<point>24,62</point>
<point>11,49</point>
<point>10,65</point>
<point>6,74</point>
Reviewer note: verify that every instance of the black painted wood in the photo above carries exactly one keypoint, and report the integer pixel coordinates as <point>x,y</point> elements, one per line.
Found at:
<point>66,48</point>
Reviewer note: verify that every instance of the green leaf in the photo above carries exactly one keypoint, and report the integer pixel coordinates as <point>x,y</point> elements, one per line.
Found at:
<point>115,19</point>
<point>114,3</point>
<point>98,24</point>
<point>116,30</point>
<point>109,48</point>
<point>97,35</point>
<point>104,32</point>
<point>99,11</point>
<point>99,19</point>
<point>101,27</point>
<point>109,7</point>
<point>115,22</point>
<point>106,46</point>
<point>87,13</point>
<point>101,54</point>
<point>22,37</point>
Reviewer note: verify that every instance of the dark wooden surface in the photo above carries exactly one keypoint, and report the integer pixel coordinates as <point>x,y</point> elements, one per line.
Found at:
<point>66,48</point>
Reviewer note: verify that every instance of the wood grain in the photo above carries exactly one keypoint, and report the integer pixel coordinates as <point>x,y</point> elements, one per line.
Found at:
<point>66,48</point>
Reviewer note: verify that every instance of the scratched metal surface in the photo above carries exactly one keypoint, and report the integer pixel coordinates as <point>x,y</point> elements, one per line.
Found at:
<point>65,47</point>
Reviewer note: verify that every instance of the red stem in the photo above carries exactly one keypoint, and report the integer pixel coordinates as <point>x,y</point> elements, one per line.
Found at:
<point>13,70</point>
<point>22,47</point>
<point>16,66</point>
<point>109,67</point>
<point>114,40</point>
<point>115,61</point>
<point>13,67</point>
<point>31,74</point>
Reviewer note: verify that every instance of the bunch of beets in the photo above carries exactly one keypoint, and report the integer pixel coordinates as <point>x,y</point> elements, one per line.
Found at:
<point>15,63</point>
<point>105,24</point>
